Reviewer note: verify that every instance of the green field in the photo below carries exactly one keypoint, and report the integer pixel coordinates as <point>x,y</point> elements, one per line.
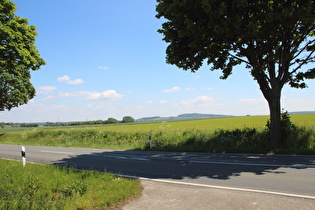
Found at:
<point>227,123</point>
<point>50,187</point>
<point>231,134</point>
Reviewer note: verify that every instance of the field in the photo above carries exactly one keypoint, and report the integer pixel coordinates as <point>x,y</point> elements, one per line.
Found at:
<point>51,187</point>
<point>231,134</point>
<point>227,123</point>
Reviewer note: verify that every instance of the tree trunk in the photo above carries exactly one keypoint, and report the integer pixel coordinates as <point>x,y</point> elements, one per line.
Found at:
<point>275,119</point>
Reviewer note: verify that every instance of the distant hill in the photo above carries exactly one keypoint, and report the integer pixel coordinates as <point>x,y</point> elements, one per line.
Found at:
<point>182,117</point>
<point>303,112</point>
<point>149,118</point>
<point>196,115</point>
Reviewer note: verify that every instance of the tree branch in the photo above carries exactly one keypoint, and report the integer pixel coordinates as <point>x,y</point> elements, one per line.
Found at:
<point>305,61</point>
<point>302,50</point>
<point>238,58</point>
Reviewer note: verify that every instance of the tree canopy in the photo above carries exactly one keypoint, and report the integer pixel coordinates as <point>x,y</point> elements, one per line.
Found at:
<point>127,119</point>
<point>273,38</point>
<point>18,55</point>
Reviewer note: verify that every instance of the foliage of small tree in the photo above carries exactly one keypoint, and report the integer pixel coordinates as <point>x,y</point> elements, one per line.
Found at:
<point>127,119</point>
<point>18,54</point>
<point>111,121</point>
<point>29,125</point>
<point>272,38</point>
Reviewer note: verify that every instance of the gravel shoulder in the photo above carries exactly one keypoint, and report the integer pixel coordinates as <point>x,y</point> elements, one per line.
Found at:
<point>159,195</point>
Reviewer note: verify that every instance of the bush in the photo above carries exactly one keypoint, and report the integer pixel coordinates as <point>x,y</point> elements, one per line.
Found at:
<point>287,127</point>
<point>295,139</point>
<point>240,140</point>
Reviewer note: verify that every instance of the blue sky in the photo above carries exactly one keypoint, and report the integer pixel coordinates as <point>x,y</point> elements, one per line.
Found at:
<point>106,59</point>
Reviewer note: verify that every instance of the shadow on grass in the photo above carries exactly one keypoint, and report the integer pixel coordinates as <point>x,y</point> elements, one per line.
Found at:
<point>168,165</point>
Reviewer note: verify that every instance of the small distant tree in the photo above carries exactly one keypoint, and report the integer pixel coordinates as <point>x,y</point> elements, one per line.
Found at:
<point>24,125</point>
<point>127,119</point>
<point>111,121</point>
<point>18,54</point>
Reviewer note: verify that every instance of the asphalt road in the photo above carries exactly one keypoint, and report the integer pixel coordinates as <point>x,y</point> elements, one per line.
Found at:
<point>275,174</point>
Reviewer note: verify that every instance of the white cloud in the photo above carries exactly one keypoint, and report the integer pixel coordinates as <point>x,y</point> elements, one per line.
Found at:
<point>70,94</point>
<point>201,101</point>
<point>63,78</point>
<point>103,67</point>
<point>163,102</point>
<point>67,79</point>
<point>90,95</point>
<point>30,102</point>
<point>109,94</point>
<point>47,88</point>
<point>149,102</point>
<point>174,89</point>
<point>48,98</point>
<point>75,82</point>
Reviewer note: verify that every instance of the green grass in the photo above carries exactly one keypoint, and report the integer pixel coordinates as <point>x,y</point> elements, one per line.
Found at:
<point>232,134</point>
<point>50,187</point>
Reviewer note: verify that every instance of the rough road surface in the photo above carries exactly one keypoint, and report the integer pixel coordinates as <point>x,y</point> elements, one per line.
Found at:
<point>159,196</point>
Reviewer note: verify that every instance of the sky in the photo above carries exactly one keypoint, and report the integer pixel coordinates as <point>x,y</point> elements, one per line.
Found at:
<point>106,59</point>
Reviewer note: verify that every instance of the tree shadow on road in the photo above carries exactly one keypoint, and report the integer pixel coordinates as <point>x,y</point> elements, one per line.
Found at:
<point>169,165</point>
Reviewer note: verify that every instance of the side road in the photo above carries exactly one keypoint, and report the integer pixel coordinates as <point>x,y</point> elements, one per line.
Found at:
<point>159,196</point>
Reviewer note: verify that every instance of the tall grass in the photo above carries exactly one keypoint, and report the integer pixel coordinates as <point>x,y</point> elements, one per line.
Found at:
<point>50,187</point>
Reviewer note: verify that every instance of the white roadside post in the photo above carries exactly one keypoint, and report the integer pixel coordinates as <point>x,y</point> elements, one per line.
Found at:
<point>23,156</point>
<point>150,139</point>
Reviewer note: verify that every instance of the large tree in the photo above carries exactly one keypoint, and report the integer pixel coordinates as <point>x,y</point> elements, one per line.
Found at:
<point>273,38</point>
<point>18,55</point>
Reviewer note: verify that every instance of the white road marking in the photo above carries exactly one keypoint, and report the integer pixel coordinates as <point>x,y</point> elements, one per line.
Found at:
<point>127,158</point>
<point>144,159</point>
<point>219,187</point>
<point>57,152</point>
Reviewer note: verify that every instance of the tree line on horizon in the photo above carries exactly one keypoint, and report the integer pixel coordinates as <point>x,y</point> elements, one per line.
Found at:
<point>126,119</point>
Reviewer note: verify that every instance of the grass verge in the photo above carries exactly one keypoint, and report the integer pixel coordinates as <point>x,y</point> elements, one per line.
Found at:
<point>50,187</point>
